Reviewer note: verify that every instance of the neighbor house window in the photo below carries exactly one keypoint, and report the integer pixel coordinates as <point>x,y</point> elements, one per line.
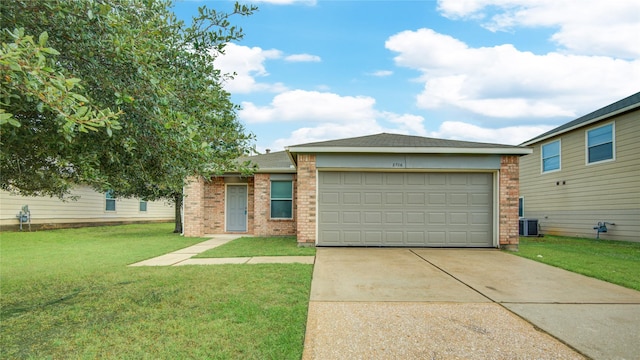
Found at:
<point>551,156</point>
<point>110,201</point>
<point>143,205</point>
<point>520,206</point>
<point>600,144</point>
<point>281,199</point>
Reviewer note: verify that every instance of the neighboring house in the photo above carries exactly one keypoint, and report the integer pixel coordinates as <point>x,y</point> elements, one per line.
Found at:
<point>585,172</point>
<point>378,190</point>
<point>91,208</point>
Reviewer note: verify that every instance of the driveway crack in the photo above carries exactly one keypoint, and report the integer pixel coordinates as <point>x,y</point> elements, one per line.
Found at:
<point>453,276</point>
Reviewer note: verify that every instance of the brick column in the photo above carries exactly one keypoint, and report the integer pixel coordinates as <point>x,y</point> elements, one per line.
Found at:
<point>194,207</point>
<point>509,192</point>
<point>306,200</point>
<point>261,201</point>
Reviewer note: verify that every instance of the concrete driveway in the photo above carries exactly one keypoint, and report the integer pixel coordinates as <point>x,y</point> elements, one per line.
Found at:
<point>461,304</point>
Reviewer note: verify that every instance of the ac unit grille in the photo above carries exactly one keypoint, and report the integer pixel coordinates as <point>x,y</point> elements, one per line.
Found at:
<point>528,227</point>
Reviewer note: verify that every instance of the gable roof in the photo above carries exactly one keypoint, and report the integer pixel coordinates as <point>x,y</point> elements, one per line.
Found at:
<point>395,143</point>
<point>274,162</point>
<point>627,104</point>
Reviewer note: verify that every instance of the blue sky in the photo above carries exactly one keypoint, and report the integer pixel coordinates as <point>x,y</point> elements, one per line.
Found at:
<point>500,71</point>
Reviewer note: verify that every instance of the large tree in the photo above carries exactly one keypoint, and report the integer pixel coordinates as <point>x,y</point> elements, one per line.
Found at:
<point>148,103</point>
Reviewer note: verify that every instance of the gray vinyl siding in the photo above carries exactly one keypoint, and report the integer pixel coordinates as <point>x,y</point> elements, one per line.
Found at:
<point>88,208</point>
<point>572,200</point>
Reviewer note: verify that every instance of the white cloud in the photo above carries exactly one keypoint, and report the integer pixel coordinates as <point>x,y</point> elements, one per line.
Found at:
<point>302,105</point>
<point>328,116</point>
<point>302,58</point>
<point>248,64</point>
<point>501,81</point>
<point>590,27</point>
<point>381,73</point>
<point>512,135</point>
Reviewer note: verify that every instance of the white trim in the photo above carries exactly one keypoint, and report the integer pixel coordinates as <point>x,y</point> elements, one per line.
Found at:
<point>520,197</point>
<point>613,144</point>
<point>583,124</point>
<point>496,209</point>
<point>559,157</point>
<point>317,207</point>
<point>409,150</point>
<point>246,215</point>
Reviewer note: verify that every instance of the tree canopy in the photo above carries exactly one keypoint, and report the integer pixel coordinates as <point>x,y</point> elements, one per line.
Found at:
<point>118,94</point>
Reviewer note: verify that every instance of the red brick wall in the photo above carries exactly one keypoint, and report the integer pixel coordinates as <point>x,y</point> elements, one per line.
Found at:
<point>306,200</point>
<point>214,205</point>
<point>263,224</point>
<point>509,193</point>
<point>194,207</point>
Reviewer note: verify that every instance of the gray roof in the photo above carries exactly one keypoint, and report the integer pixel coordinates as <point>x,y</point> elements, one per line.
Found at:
<point>278,161</point>
<point>384,142</point>
<point>618,107</point>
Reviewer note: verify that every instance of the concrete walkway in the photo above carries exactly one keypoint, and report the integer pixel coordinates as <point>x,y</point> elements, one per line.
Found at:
<point>463,304</point>
<point>184,256</point>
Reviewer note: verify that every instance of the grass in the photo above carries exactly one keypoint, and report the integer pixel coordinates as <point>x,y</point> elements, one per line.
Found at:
<point>612,261</point>
<point>69,294</point>
<point>259,246</point>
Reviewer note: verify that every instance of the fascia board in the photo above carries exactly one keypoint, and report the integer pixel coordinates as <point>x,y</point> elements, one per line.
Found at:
<point>411,150</point>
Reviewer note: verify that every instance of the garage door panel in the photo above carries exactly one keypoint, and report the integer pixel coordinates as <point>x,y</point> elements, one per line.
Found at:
<point>330,217</point>
<point>416,198</point>
<point>405,209</point>
<point>373,237</point>
<point>351,217</point>
<point>437,218</point>
<point>372,217</point>
<point>459,199</point>
<point>394,217</point>
<point>371,198</point>
<point>415,218</point>
<point>458,218</point>
<point>394,198</point>
<point>394,238</point>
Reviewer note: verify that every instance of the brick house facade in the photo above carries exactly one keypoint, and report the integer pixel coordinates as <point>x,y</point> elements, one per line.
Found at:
<point>205,201</point>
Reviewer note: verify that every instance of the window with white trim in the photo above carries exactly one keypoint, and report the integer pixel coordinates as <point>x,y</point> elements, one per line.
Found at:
<point>551,156</point>
<point>281,199</point>
<point>600,144</point>
<point>143,206</point>
<point>110,201</point>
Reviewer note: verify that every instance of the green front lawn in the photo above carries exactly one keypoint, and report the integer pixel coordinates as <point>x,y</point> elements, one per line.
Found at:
<point>617,262</point>
<point>70,294</point>
<point>259,246</point>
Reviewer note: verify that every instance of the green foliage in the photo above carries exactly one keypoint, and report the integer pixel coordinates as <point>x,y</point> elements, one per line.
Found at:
<point>612,261</point>
<point>259,246</point>
<point>69,294</point>
<point>29,79</point>
<point>131,58</point>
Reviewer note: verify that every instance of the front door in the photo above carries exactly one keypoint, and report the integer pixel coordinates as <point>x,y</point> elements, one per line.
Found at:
<point>236,208</point>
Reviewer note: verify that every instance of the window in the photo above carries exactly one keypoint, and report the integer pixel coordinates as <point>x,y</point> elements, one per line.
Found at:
<point>551,156</point>
<point>520,206</point>
<point>143,205</point>
<point>110,201</point>
<point>281,199</point>
<point>600,144</point>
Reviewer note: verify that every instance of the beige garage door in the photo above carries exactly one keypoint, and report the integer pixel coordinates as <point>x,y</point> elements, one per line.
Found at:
<point>405,209</point>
